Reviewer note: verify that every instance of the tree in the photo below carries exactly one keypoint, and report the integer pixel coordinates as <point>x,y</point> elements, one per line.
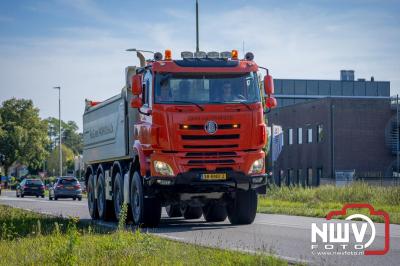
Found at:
<point>23,135</point>
<point>53,161</point>
<point>70,137</point>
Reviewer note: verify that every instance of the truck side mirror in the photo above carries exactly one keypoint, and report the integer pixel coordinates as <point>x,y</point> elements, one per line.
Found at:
<point>136,102</point>
<point>137,84</point>
<point>268,85</point>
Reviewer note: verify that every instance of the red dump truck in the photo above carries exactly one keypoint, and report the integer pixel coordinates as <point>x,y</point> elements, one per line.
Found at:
<point>185,134</point>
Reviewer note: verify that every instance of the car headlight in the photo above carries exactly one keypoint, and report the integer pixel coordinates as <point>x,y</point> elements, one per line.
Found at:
<point>257,166</point>
<point>163,168</point>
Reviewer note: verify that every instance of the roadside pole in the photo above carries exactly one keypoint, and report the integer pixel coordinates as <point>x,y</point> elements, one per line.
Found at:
<point>59,120</point>
<point>398,135</point>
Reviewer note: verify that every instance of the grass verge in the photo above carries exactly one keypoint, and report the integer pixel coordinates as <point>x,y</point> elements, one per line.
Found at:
<point>319,201</point>
<point>33,239</point>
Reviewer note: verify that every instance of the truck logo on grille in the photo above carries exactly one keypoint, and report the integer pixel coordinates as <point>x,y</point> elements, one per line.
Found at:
<point>211,127</point>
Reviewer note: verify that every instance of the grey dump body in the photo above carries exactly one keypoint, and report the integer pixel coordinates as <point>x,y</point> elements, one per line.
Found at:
<point>108,128</point>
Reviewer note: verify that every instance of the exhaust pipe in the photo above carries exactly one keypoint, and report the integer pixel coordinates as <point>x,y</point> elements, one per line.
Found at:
<point>141,59</point>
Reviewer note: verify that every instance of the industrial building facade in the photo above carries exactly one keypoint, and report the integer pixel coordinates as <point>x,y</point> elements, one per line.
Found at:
<point>292,91</point>
<point>334,126</point>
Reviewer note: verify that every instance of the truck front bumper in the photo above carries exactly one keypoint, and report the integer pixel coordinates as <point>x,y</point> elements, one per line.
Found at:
<point>191,182</point>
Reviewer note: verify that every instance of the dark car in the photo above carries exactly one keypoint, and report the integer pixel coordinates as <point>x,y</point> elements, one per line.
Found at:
<point>66,187</point>
<point>30,187</point>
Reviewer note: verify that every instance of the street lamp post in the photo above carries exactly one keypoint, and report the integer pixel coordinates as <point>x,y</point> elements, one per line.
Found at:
<point>59,120</point>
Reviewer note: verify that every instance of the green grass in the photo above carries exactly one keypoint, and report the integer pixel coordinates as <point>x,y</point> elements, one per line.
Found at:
<point>319,201</point>
<point>32,239</point>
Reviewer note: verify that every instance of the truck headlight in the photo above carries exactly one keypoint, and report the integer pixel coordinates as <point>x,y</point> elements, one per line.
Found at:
<point>163,168</point>
<point>257,166</point>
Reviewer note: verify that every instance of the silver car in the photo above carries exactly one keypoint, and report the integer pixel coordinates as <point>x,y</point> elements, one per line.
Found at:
<point>66,187</point>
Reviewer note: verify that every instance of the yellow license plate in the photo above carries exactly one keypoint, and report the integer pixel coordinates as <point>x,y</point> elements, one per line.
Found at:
<point>218,176</point>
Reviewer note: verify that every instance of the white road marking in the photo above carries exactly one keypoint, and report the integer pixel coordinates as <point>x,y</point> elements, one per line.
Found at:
<point>170,237</point>
<point>43,201</point>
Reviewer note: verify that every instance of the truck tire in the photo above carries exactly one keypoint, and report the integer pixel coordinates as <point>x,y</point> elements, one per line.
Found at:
<point>92,203</point>
<point>104,207</point>
<point>214,212</point>
<point>242,210</point>
<point>145,211</point>
<point>118,195</point>
<point>192,212</point>
<point>173,210</point>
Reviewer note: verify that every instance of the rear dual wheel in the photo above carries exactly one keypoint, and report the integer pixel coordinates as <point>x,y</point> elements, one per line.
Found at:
<point>118,195</point>
<point>105,208</point>
<point>92,202</point>
<point>173,210</point>
<point>191,212</point>
<point>214,212</point>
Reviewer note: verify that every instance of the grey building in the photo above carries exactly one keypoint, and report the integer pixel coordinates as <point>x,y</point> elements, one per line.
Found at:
<point>292,91</point>
<point>324,137</point>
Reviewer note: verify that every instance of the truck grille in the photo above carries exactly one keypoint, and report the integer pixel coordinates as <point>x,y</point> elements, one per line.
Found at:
<point>211,161</point>
<point>209,137</point>
<point>195,137</point>
<point>210,146</point>
<point>210,154</point>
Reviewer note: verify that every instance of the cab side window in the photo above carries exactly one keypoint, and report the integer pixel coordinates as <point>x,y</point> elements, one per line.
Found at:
<point>147,86</point>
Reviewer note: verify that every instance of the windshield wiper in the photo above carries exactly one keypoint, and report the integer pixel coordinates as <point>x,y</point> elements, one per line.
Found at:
<point>245,104</point>
<point>198,105</point>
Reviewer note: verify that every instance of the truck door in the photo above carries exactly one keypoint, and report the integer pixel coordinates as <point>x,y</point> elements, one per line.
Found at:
<point>145,121</point>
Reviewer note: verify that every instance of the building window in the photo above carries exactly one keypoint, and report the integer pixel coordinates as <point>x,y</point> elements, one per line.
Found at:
<point>290,136</point>
<point>282,178</point>
<point>319,175</point>
<point>309,176</point>
<point>290,177</point>
<point>320,133</point>
<point>300,177</point>
<point>299,135</point>
<point>309,135</point>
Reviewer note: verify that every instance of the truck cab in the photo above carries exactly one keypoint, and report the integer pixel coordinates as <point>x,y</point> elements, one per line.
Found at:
<point>194,133</point>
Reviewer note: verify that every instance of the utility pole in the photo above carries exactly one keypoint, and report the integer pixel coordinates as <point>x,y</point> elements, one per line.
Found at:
<point>59,118</point>
<point>397,139</point>
<point>197,26</point>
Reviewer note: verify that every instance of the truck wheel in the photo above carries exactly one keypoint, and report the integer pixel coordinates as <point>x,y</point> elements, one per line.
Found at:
<point>214,212</point>
<point>104,207</point>
<point>242,210</point>
<point>145,211</point>
<point>92,203</point>
<point>118,195</point>
<point>192,212</point>
<point>173,210</point>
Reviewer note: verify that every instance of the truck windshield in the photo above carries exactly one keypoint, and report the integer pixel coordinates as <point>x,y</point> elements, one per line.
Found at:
<point>193,88</point>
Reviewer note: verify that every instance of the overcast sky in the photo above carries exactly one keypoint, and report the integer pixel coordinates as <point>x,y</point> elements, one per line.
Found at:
<point>80,44</point>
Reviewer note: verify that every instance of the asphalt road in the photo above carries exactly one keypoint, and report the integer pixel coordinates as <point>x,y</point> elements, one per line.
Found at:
<point>288,237</point>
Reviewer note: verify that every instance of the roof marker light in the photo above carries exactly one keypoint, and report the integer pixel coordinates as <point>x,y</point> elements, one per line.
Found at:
<point>168,55</point>
<point>235,54</point>
<point>186,54</point>
<point>213,55</point>
<point>225,55</point>
<point>200,54</point>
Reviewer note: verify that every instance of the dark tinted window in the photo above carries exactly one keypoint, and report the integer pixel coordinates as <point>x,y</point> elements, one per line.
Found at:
<point>206,88</point>
<point>68,181</point>
<point>34,182</point>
